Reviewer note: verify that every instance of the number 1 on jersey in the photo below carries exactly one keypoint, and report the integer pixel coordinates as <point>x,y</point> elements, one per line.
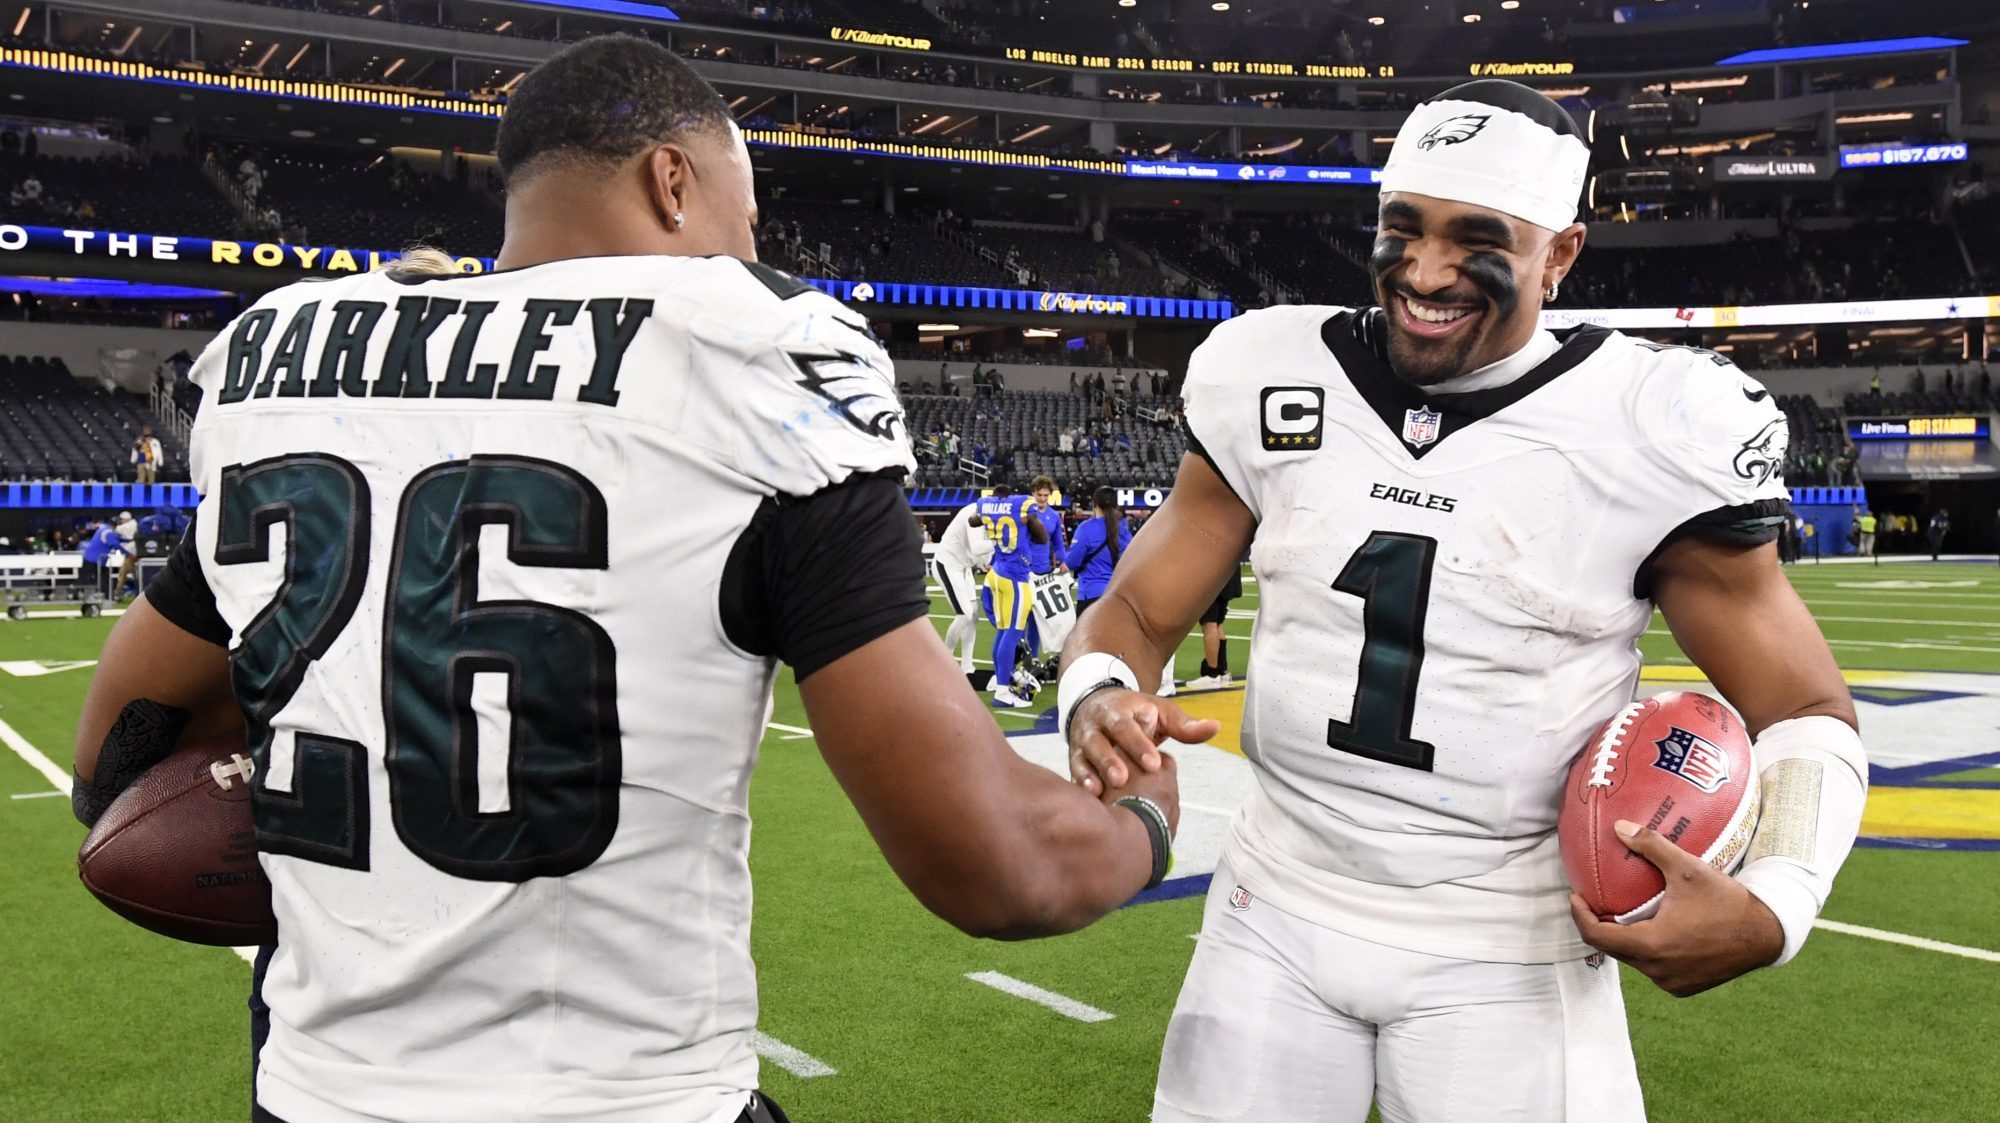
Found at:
<point>1391,573</point>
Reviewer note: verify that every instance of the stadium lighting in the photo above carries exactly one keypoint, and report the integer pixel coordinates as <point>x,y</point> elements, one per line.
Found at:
<point>937,327</point>
<point>1377,20</point>
<point>1121,3</point>
<point>1682,85</point>
<point>1873,118</point>
<point>1509,5</point>
<point>1471,17</point>
<point>1040,333</point>
<point>22,22</point>
<point>1219,6</point>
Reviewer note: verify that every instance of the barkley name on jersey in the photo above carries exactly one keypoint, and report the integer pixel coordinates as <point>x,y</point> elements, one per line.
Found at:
<point>505,725</point>
<point>1453,588</point>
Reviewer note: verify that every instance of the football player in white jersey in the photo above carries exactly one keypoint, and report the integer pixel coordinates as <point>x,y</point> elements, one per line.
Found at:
<point>963,548</point>
<point>1461,524</point>
<point>503,714</point>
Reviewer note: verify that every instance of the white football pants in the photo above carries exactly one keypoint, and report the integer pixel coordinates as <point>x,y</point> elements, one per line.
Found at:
<point>961,591</point>
<point>1282,1019</point>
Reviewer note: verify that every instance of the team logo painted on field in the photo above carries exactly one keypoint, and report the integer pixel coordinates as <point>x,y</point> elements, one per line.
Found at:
<point>1693,759</point>
<point>1420,426</point>
<point>1293,418</point>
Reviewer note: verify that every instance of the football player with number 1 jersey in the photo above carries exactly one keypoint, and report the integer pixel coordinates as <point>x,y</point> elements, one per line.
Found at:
<point>1461,524</point>
<point>503,716</point>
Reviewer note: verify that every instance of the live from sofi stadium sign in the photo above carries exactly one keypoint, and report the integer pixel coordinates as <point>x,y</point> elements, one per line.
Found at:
<point>1918,428</point>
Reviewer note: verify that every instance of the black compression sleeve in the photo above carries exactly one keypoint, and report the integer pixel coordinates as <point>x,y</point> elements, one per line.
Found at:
<point>813,579</point>
<point>1748,524</point>
<point>181,594</point>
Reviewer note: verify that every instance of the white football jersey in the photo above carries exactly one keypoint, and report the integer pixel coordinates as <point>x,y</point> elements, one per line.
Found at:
<point>1055,609</point>
<point>469,534</point>
<point>1452,593</point>
<point>962,545</point>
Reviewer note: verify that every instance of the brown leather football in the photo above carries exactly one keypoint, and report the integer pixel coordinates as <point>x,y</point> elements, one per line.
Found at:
<point>176,853</point>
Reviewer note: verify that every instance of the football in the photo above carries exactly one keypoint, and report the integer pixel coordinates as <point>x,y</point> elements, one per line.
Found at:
<point>176,853</point>
<point>1678,763</point>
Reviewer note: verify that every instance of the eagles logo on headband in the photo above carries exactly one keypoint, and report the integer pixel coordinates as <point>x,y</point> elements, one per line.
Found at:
<point>1529,159</point>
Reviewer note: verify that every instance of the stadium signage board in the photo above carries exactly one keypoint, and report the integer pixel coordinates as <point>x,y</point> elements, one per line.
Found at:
<point>1779,315</point>
<point>322,260</point>
<point>1918,428</point>
<point>879,39</point>
<point>1770,169</point>
<point>1901,155</point>
<point>1522,69</point>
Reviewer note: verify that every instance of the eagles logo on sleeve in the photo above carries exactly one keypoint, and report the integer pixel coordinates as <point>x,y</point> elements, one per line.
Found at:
<point>1763,455</point>
<point>854,391</point>
<point>1454,130</point>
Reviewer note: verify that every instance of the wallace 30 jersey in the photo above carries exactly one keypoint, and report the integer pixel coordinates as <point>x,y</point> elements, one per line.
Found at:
<point>1453,589</point>
<point>469,534</point>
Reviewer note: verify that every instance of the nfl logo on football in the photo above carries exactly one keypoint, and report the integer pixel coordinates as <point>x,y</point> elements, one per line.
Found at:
<point>1692,759</point>
<point>1420,426</point>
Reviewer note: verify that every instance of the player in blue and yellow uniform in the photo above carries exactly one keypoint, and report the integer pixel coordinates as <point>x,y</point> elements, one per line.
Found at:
<point>1014,530</point>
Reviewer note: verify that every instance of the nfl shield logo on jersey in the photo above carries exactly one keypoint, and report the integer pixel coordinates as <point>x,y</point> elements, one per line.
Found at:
<point>1420,426</point>
<point>1239,898</point>
<point>1692,759</point>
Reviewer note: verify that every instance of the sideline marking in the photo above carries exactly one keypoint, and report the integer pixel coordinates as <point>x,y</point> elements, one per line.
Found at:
<point>803,1065</point>
<point>1061,1004</point>
<point>36,668</point>
<point>1908,941</point>
<point>36,760</point>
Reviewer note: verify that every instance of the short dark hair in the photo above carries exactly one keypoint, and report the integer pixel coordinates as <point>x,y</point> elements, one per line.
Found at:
<point>603,101</point>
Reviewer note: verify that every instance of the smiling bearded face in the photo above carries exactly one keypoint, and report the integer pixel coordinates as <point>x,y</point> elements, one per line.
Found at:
<point>1461,284</point>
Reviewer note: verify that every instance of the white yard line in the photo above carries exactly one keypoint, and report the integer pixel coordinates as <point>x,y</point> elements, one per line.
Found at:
<point>801,1064</point>
<point>1061,1004</point>
<point>35,758</point>
<point>1908,941</point>
<point>34,795</point>
<point>792,732</point>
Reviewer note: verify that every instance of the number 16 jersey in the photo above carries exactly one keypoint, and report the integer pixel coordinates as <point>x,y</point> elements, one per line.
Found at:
<point>1452,587</point>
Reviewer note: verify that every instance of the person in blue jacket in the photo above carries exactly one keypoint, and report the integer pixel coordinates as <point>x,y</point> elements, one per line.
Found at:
<point>1098,545</point>
<point>101,544</point>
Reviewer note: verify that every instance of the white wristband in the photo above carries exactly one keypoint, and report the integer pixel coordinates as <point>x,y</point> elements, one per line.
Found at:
<point>1813,777</point>
<point>1084,674</point>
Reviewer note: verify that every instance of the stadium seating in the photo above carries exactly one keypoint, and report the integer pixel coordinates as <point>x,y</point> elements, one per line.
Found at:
<point>865,242</point>
<point>367,200</point>
<point>163,194</point>
<point>1017,436</point>
<point>54,426</point>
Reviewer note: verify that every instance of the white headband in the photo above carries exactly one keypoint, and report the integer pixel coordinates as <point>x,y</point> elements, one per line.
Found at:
<point>1472,152</point>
